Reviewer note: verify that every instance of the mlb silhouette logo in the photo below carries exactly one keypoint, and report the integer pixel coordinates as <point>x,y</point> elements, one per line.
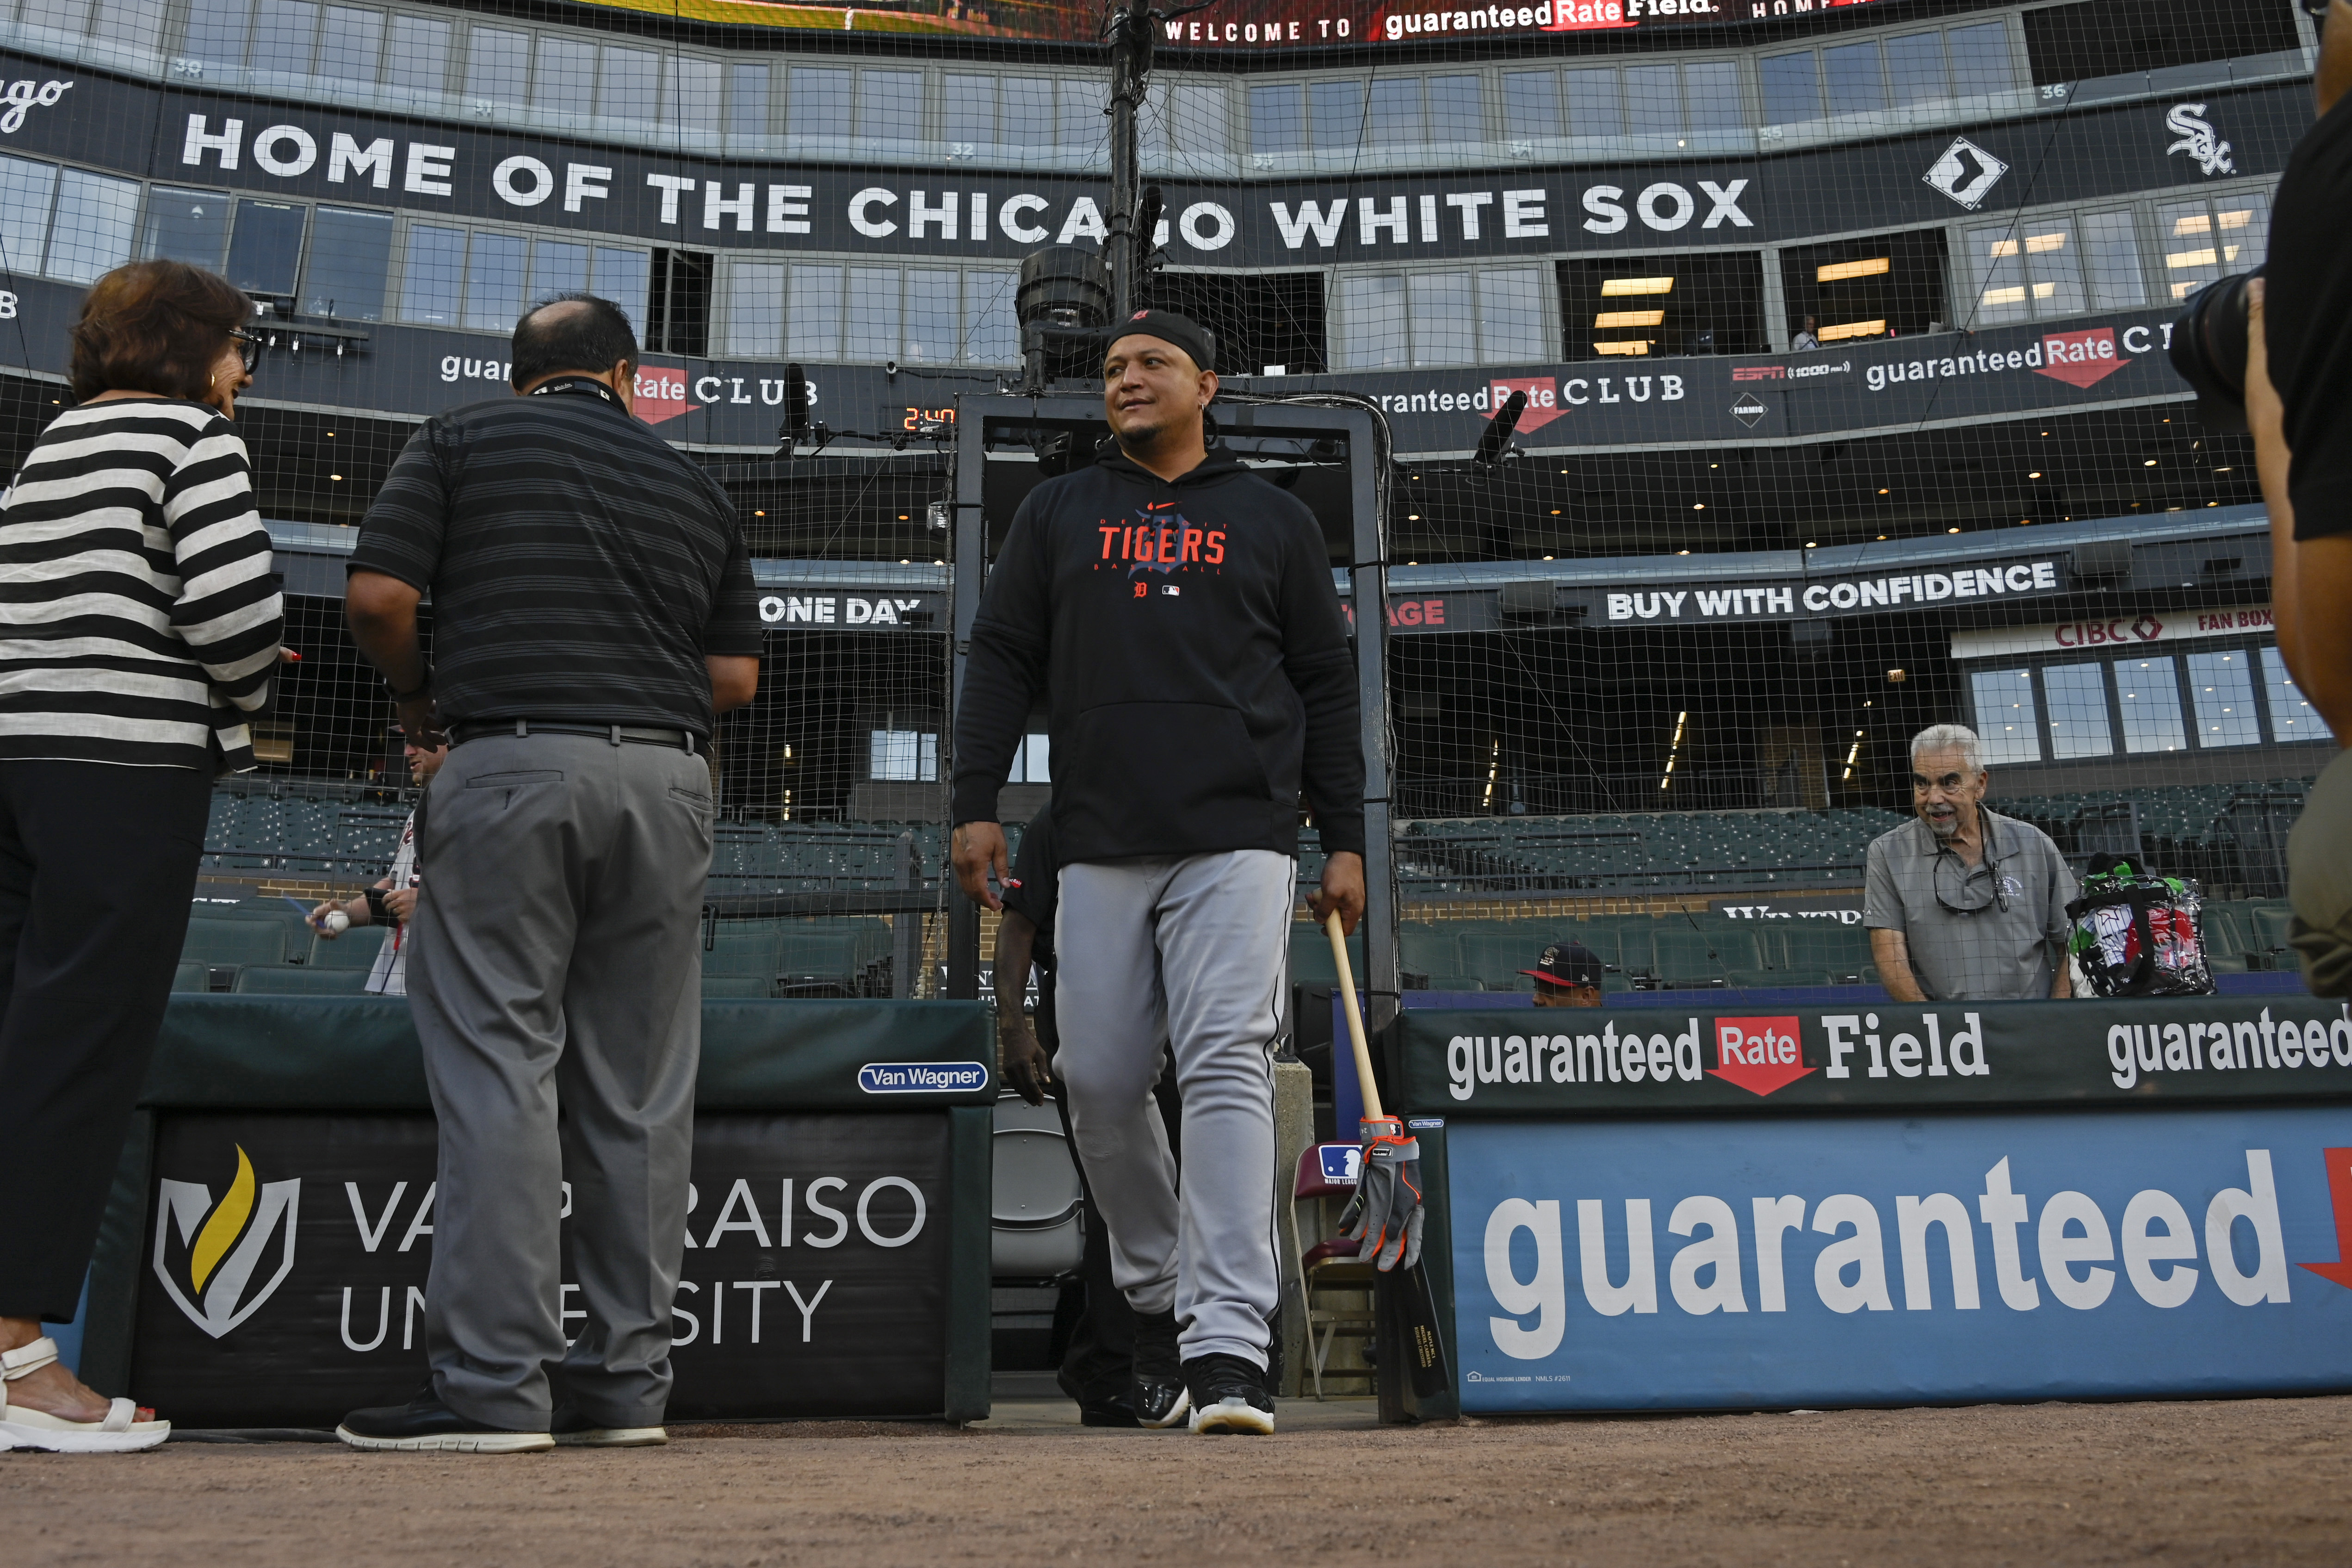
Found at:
<point>1342,1162</point>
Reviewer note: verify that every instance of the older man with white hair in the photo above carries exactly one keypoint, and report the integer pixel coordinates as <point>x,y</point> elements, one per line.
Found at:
<point>1965,905</point>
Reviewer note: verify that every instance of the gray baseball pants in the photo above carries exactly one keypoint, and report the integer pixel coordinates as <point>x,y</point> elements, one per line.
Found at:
<point>1193,950</point>
<point>554,961</point>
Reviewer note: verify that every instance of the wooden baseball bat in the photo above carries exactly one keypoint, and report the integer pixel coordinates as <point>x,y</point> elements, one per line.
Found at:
<point>1425,1346</point>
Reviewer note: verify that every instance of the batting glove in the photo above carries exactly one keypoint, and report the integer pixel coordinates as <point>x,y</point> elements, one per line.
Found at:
<point>1385,1215</point>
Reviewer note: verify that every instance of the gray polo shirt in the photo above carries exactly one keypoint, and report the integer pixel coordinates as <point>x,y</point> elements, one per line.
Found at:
<point>1992,955</point>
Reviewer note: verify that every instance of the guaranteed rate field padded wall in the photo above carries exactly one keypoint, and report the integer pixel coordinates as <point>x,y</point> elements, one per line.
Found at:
<point>1841,332</point>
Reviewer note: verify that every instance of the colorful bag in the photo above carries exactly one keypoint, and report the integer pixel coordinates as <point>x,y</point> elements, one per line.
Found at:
<point>2137,935</point>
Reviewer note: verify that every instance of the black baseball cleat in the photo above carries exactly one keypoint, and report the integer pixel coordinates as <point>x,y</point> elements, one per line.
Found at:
<point>425,1425</point>
<point>1157,1390</point>
<point>571,1429</point>
<point>1114,1411</point>
<point>1229,1395</point>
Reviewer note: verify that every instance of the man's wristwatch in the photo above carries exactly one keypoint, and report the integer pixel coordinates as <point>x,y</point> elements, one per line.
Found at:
<point>423,688</point>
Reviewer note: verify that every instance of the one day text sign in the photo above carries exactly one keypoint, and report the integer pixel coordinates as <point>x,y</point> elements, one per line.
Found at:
<point>1885,1260</point>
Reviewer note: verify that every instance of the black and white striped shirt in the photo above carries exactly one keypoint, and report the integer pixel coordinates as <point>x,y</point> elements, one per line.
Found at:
<point>139,624</point>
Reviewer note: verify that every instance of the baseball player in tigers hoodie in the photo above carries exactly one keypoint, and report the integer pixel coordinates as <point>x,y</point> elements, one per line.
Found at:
<point>1180,615</point>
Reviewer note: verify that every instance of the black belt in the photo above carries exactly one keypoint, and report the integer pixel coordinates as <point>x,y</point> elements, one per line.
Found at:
<point>618,734</point>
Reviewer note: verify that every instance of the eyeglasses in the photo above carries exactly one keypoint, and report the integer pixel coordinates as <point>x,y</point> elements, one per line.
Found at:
<point>1965,897</point>
<point>249,348</point>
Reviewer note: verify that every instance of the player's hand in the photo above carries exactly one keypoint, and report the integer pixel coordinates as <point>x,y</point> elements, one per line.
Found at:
<point>421,722</point>
<point>401,902</point>
<point>319,919</point>
<point>979,847</point>
<point>1020,1059</point>
<point>1343,890</point>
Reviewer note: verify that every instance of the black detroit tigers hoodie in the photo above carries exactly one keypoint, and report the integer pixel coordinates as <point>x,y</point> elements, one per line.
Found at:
<point>1191,646</point>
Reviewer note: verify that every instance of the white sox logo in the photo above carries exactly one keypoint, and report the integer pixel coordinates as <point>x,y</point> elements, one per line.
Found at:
<point>2198,140</point>
<point>209,1272</point>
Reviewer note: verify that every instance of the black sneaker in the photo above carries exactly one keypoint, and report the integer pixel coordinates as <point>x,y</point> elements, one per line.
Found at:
<point>1229,1395</point>
<point>1113,1411</point>
<point>1157,1391</point>
<point>571,1429</point>
<point>425,1425</point>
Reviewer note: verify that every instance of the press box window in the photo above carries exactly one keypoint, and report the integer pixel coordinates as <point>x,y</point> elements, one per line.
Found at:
<point>485,280</point>
<point>2292,718</point>
<point>350,256</point>
<point>830,311</point>
<point>1456,316</point>
<point>905,756</point>
<point>1032,761</point>
<point>2204,240</point>
<point>2005,722</point>
<point>1708,303</point>
<point>1866,287</point>
<point>2221,694</point>
<point>678,304</point>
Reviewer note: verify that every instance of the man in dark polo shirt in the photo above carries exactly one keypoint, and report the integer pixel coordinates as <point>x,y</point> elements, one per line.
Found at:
<point>592,611</point>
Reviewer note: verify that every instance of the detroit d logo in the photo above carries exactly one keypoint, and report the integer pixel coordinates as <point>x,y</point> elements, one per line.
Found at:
<point>208,1255</point>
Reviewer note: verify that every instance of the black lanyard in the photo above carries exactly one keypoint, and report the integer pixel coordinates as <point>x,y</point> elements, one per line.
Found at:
<point>579,384</point>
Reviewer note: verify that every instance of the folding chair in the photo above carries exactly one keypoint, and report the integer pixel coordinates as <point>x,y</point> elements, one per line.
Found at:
<point>1327,1172</point>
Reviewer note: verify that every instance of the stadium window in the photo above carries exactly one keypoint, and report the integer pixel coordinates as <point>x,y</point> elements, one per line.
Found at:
<point>1654,100</point>
<point>754,310</point>
<point>2075,696</point>
<point>1907,296</point>
<point>890,106</point>
<point>1438,317</point>
<point>1915,72</point>
<point>557,266</point>
<point>2203,241</point>
<point>1511,312</point>
<point>265,250</point>
<point>1711,302</point>
<point>677,302</point>
<point>746,103</point>
<point>95,220</point>
<point>1369,322</point>
<point>564,75</point>
<point>2086,41</point>
<point>494,280</point>
<point>181,226</point>
<point>628,84</point>
<point>625,277</point>
<point>2221,694</point>
<point>991,333</point>
<point>1260,318</point>
<point>1712,98</point>
<point>2004,715</point>
<point>432,272</point>
<point>1392,114</point>
<point>1335,114</point>
<point>691,94</point>
<point>27,190</point>
<point>1079,124</point>
<point>906,756</point>
<point>1531,105</point>
<point>2111,260</point>
<point>1984,61</point>
<point>498,65</point>
<point>967,109</point>
<point>2292,718</point>
<point>130,25</point>
<point>1033,761</point>
<point>813,310</point>
<point>1438,310</point>
<point>1855,75</point>
<point>934,317</point>
<point>216,34</point>
<point>1594,107</point>
<point>285,36</point>
<point>1457,111</point>
<point>1791,88</point>
<point>2029,268</point>
<point>820,102</point>
<point>1028,110</point>
<point>1184,121</point>
<point>350,256</point>
<point>2148,694</point>
<point>417,64</point>
<point>350,45</point>
<point>1277,119</point>
<point>873,334</point>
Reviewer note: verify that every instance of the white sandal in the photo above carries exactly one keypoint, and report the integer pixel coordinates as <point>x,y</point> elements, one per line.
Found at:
<point>21,1428</point>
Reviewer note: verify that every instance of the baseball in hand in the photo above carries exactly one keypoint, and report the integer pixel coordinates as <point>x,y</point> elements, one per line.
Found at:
<point>337,923</point>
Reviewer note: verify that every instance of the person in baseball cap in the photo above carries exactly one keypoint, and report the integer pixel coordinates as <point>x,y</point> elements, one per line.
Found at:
<point>1197,341</point>
<point>1568,975</point>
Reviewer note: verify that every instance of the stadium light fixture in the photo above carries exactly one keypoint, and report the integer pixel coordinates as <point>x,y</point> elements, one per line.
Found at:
<point>1636,346</point>
<point>1881,536</point>
<point>1839,272</point>
<point>1851,330</point>
<point>1630,318</point>
<point>2034,475</point>
<point>1616,288</point>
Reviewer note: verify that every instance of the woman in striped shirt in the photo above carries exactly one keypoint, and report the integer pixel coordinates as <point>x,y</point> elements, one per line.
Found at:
<point>138,626</point>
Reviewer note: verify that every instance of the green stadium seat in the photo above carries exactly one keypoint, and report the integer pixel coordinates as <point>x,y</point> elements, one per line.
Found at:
<point>752,954</point>
<point>286,980</point>
<point>192,977</point>
<point>2272,922</point>
<point>220,941</point>
<point>1701,957</point>
<point>1836,951</point>
<point>1428,949</point>
<point>355,948</point>
<point>736,987</point>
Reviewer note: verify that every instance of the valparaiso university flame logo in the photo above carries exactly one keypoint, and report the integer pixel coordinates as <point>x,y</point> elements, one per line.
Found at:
<point>219,1249</point>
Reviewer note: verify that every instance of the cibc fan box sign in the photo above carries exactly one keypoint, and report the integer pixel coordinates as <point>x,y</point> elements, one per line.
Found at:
<point>287,1254</point>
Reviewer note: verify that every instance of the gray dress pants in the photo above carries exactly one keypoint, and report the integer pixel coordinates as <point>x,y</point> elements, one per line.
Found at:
<point>1193,950</point>
<point>554,961</point>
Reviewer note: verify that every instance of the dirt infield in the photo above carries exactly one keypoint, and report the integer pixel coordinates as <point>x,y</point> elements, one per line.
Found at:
<point>2267,1481</point>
